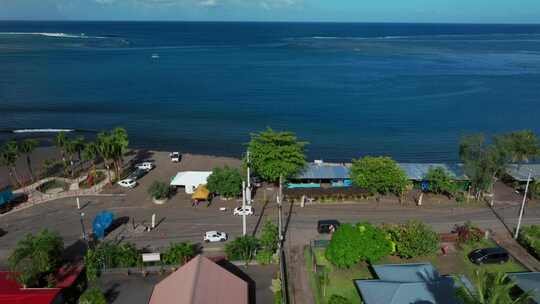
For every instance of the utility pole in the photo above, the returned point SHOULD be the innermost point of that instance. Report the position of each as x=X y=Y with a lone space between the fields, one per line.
x=244 y=208
x=248 y=190
x=522 y=206
x=280 y=243
x=280 y=220
x=82 y=226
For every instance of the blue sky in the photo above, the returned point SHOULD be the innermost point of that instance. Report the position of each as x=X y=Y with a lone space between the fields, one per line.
x=474 y=11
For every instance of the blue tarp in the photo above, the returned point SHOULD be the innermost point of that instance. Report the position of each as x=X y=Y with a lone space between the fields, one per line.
x=5 y=196
x=102 y=221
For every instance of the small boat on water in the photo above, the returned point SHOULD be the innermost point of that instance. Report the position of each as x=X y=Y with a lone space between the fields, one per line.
x=155 y=56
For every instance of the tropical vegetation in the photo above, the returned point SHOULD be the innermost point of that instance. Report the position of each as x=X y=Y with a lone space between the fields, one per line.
x=379 y=175
x=93 y=295
x=530 y=238
x=178 y=253
x=242 y=248
x=110 y=255
x=274 y=154
x=226 y=182
x=268 y=242
x=351 y=244
x=26 y=147
x=440 y=181
x=9 y=153
x=413 y=239
x=36 y=258
x=159 y=190
x=492 y=288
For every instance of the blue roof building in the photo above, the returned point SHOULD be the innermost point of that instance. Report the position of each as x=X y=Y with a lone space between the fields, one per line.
x=528 y=282
x=408 y=284
x=323 y=171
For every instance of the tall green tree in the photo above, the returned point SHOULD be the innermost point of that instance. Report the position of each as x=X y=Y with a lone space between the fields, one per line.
x=226 y=182
x=242 y=248
x=491 y=288
x=379 y=175
x=36 y=256
x=91 y=153
x=274 y=154
x=111 y=147
x=523 y=146
x=9 y=154
x=120 y=146
x=26 y=148
x=482 y=162
x=61 y=142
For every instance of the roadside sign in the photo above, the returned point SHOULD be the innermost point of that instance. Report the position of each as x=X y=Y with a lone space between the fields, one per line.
x=151 y=257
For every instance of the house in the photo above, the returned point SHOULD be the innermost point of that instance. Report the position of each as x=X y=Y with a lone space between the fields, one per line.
x=406 y=284
x=190 y=180
x=528 y=282
x=200 y=281
x=520 y=173
x=315 y=174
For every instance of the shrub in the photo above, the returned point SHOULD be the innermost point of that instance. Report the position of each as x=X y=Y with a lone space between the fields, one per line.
x=361 y=242
x=379 y=175
x=269 y=237
x=93 y=296
x=468 y=233
x=226 y=182
x=242 y=248
x=413 y=239
x=440 y=181
x=530 y=238
x=264 y=257
x=337 y=299
x=110 y=255
x=159 y=190
x=37 y=256
x=178 y=253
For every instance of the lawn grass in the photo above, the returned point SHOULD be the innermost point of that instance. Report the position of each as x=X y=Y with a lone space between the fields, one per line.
x=341 y=281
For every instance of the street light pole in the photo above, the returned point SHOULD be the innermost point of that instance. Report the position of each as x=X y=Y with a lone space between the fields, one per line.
x=82 y=226
x=244 y=208
x=522 y=206
x=248 y=190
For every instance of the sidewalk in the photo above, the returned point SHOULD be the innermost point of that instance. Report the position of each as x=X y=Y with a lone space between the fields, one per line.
x=505 y=240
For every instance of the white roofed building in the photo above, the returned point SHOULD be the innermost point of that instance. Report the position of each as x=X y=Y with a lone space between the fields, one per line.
x=190 y=180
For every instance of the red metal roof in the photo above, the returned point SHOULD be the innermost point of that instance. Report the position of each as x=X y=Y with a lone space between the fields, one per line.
x=11 y=292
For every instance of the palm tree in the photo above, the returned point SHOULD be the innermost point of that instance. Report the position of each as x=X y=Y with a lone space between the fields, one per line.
x=79 y=145
x=523 y=146
x=105 y=149
x=61 y=140
x=8 y=158
x=491 y=288
x=120 y=143
x=26 y=148
x=90 y=153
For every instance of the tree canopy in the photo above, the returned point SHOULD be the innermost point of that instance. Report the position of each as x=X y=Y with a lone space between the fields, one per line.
x=440 y=181
x=492 y=288
x=226 y=182
x=351 y=244
x=36 y=256
x=274 y=154
x=379 y=175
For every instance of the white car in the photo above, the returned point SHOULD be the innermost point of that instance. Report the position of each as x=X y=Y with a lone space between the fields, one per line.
x=175 y=156
x=127 y=183
x=147 y=166
x=215 y=236
x=247 y=210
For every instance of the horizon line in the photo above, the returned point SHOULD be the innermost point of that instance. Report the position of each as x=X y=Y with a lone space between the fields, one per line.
x=262 y=21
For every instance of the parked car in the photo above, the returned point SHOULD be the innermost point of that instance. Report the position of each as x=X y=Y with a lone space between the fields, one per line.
x=327 y=226
x=215 y=236
x=247 y=210
x=127 y=183
x=147 y=166
x=137 y=174
x=489 y=255
x=2 y=232
x=175 y=156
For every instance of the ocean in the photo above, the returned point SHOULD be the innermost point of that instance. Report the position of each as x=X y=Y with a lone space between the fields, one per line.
x=409 y=91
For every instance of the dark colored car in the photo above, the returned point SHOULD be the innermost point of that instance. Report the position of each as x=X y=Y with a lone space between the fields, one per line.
x=493 y=255
x=327 y=226
x=137 y=174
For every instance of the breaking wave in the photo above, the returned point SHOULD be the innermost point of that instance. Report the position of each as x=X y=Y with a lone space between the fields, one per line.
x=54 y=35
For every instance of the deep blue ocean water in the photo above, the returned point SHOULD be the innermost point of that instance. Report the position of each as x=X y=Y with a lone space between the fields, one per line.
x=405 y=90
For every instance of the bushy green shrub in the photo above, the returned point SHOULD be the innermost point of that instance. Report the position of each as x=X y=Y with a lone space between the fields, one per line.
x=93 y=296
x=379 y=175
x=226 y=182
x=530 y=238
x=178 y=253
x=110 y=255
x=37 y=256
x=159 y=190
x=264 y=257
x=269 y=237
x=242 y=248
x=413 y=239
x=337 y=299
x=351 y=244
x=440 y=181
